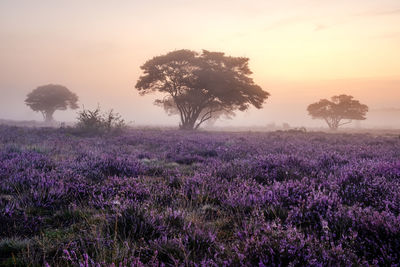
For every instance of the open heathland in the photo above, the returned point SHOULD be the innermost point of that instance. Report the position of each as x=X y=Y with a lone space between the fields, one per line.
x=179 y=198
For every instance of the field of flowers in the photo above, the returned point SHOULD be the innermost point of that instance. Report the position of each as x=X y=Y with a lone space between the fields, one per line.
x=173 y=198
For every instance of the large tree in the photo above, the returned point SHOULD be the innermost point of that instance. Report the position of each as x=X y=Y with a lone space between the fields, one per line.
x=339 y=108
x=200 y=86
x=49 y=98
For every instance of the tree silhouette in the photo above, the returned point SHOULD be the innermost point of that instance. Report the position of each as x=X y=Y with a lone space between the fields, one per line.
x=200 y=87
x=49 y=98
x=341 y=107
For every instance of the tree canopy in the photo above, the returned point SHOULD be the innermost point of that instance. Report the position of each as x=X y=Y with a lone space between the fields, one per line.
x=339 y=108
x=49 y=98
x=201 y=86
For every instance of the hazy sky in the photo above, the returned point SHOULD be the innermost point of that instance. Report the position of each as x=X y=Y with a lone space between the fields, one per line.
x=300 y=51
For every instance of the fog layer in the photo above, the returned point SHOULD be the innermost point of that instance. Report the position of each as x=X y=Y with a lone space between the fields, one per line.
x=300 y=51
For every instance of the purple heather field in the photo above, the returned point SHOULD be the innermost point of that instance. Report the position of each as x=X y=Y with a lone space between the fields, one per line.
x=177 y=198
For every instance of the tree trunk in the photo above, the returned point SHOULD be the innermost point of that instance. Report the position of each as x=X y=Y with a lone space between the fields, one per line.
x=188 y=121
x=188 y=125
x=333 y=123
x=48 y=116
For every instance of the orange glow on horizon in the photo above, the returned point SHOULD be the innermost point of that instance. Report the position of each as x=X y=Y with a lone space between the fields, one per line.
x=302 y=49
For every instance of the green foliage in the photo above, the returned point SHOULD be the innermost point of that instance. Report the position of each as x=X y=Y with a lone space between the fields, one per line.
x=96 y=122
x=201 y=87
x=11 y=250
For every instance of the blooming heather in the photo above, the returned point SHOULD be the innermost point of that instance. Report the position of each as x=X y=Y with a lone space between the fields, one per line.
x=172 y=198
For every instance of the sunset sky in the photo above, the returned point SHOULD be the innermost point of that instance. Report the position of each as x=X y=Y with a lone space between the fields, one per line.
x=300 y=51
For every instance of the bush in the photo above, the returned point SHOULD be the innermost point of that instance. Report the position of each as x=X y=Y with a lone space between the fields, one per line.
x=93 y=121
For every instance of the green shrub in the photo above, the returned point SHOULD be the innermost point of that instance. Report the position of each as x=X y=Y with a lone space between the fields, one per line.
x=96 y=122
x=11 y=250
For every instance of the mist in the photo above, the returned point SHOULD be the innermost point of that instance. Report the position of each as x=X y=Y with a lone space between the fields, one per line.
x=199 y=133
x=299 y=55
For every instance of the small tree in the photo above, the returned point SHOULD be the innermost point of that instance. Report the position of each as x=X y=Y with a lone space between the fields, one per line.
x=49 y=98
x=200 y=87
x=339 y=108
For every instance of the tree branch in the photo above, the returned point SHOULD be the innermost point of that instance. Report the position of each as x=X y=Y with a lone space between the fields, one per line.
x=206 y=116
x=347 y=122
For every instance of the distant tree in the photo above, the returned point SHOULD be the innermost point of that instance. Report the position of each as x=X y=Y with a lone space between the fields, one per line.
x=339 y=108
x=200 y=87
x=49 y=98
